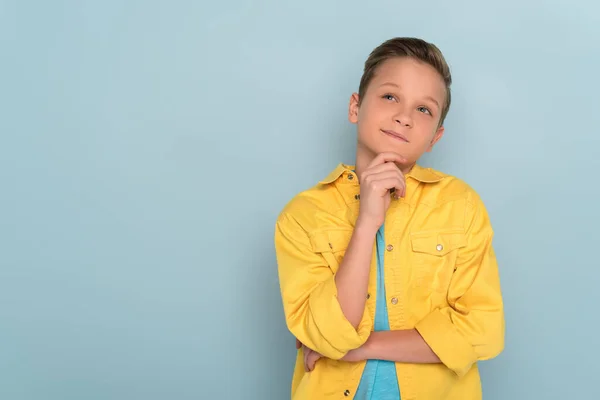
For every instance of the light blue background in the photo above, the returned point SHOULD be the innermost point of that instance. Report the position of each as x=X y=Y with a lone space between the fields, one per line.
x=147 y=147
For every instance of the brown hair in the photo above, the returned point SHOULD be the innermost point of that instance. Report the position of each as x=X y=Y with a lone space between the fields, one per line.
x=415 y=48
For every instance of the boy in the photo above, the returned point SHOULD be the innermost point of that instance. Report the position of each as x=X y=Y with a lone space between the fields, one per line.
x=387 y=271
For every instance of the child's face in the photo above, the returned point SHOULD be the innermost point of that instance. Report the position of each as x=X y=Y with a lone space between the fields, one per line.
x=401 y=109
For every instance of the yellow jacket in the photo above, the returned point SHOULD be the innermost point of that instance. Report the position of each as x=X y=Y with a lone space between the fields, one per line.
x=441 y=278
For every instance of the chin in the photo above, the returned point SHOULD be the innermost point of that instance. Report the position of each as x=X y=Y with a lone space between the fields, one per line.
x=402 y=150
x=383 y=146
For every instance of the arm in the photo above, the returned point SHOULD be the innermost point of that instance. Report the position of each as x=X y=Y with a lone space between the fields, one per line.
x=326 y=311
x=471 y=328
x=405 y=346
x=310 y=294
x=352 y=278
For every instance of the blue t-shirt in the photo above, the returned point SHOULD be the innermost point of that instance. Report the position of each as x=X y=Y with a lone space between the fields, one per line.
x=379 y=380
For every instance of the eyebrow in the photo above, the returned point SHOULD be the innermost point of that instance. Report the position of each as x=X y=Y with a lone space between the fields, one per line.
x=426 y=97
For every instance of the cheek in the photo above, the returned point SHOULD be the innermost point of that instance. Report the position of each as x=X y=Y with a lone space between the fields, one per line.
x=363 y=110
x=425 y=137
x=427 y=126
x=365 y=117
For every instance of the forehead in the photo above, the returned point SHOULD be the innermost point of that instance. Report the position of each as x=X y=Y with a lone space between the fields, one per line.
x=411 y=76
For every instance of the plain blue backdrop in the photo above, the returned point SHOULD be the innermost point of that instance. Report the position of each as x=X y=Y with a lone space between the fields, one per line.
x=146 y=148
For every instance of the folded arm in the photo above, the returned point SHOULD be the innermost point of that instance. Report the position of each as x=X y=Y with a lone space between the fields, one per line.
x=470 y=328
x=325 y=311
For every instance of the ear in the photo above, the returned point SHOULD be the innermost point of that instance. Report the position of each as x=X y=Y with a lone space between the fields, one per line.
x=353 y=108
x=438 y=135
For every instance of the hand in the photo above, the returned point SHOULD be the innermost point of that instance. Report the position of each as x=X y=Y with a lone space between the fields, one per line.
x=355 y=355
x=376 y=182
x=310 y=356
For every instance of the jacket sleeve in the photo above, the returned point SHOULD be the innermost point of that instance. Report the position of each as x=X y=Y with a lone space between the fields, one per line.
x=310 y=303
x=471 y=328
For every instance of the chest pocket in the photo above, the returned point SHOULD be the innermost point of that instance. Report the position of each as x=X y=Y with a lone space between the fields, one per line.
x=433 y=257
x=332 y=245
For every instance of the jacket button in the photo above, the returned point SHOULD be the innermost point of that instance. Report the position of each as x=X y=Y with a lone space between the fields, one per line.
x=347 y=393
x=394 y=300
x=390 y=247
x=439 y=247
x=368 y=296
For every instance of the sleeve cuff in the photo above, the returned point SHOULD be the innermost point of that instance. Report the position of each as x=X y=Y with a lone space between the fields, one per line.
x=339 y=334
x=446 y=342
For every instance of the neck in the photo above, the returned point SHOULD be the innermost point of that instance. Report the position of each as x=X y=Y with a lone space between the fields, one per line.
x=364 y=157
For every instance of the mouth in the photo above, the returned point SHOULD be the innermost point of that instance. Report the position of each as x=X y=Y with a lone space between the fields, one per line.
x=395 y=135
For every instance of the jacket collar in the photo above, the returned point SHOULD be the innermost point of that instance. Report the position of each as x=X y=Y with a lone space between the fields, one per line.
x=424 y=175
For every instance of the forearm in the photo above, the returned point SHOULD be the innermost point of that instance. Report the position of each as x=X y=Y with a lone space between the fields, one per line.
x=405 y=346
x=352 y=278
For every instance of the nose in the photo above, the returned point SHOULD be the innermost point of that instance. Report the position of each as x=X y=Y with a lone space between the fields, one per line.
x=403 y=118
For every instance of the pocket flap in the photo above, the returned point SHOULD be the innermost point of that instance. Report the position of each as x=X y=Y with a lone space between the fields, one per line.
x=331 y=240
x=437 y=243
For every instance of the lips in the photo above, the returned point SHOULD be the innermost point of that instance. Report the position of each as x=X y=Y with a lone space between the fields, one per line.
x=395 y=135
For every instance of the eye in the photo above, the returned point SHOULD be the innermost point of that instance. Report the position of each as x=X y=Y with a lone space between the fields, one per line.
x=424 y=110
x=389 y=97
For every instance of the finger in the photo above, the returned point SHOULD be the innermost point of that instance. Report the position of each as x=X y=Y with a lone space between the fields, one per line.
x=386 y=166
x=386 y=181
x=307 y=352
x=312 y=361
x=311 y=364
x=399 y=192
x=394 y=173
x=305 y=365
x=393 y=186
x=387 y=157
x=380 y=171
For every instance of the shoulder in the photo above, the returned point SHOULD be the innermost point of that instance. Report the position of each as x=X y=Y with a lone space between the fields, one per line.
x=318 y=205
x=447 y=202
x=449 y=188
x=305 y=207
